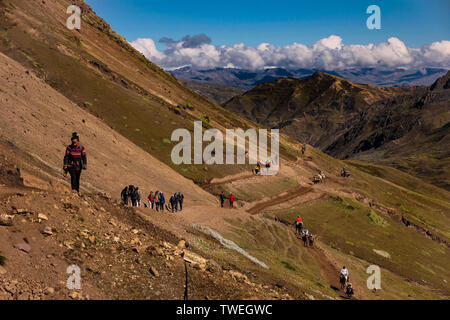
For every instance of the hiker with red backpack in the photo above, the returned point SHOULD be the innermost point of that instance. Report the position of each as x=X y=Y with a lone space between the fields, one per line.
x=156 y=200
x=232 y=198
x=75 y=161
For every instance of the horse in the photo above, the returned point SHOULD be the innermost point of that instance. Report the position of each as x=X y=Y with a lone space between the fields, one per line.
x=343 y=281
x=319 y=178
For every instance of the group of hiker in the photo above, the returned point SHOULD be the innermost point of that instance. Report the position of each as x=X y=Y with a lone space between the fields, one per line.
x=131 y=195
x=306 y=236
x=157 y=201
x=231 y=198
x=256 y=170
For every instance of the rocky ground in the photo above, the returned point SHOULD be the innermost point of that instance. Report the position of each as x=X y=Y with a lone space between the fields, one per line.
x=120 y=254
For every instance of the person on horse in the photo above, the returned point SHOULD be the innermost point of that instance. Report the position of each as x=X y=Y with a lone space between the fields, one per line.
x=345 y=173
x=298 y=225
x=345 y=276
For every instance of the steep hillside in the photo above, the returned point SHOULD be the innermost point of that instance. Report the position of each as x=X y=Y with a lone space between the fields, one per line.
x=99 y=71
x=54 y=82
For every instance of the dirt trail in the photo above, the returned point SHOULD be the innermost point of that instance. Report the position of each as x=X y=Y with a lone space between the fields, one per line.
x=228 y=179
x=285 y=196
x=328 y=270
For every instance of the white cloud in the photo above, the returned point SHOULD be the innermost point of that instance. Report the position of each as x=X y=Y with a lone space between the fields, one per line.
x=328 y=53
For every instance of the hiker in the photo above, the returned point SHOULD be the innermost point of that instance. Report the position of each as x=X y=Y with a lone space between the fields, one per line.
x=156 y=200
x=303 y=148
x=305 y=236
x=75 y=161
x=222 y=199
x=298 y=225
x=257 y=168
x=349 y=290
x=310 y=240
x=138 y=196
x=124 y=195
x=172 y=202
x=180 y=199
x=162 y=201
x=175 y=201
x=151 y=200
x=232 y=198
x=130 y=194
x=133 y=195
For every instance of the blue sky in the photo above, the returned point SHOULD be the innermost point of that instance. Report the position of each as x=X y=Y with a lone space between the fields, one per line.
x=281 y=22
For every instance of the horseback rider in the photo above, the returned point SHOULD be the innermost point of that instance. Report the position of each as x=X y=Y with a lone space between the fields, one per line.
x=298 y=225
x=345 y=274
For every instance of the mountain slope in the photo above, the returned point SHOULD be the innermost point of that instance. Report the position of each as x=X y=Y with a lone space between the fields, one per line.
x=98 y=70
x=54 y=82
x=396 y=126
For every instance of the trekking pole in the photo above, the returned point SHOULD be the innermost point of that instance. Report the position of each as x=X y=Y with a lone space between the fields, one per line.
x=186 y=282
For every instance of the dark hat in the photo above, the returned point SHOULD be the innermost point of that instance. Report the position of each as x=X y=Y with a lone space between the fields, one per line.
x=75 y=136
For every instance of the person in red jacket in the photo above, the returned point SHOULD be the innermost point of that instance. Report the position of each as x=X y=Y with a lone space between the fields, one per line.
x=298 y=225
x=232 y=199
x=75 y=161
x=151 y=200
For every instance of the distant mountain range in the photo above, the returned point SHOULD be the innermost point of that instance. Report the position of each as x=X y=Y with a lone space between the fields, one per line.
x=247 y=79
